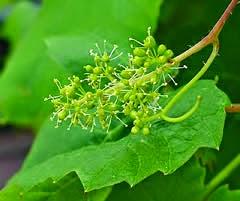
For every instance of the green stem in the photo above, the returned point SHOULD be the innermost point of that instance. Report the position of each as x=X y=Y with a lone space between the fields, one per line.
x=184 y=116
x=183 y=90
x=211 y=37
x=221 y=176
x=115 y=133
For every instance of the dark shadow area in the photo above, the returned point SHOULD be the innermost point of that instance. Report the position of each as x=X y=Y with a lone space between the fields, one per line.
x=14 y=145
x=4 y=51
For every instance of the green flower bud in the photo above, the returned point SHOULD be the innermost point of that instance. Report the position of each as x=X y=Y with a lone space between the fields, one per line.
x=67 y=106
x=93 y=77
x=140 y=113
x=149 y=42
x=169 y=54
x=112 y=107
x=132 y=97
x=137 y=122
x=146 y=131
x=88 y=68
x=77 y=109
x=154 y=78
x=162 y=59
x=101 y=112
x=89 y=95
x=105 y=57
x=139 y=83
x=63 y=91
x=133 y=114
x=140 y=71
x=127 y=74
x=110 y=69
x=56 y=102
x=154 y=95
x=140 y=95
x=90 y=105
x=67 y=91
x=62 y=115
x=76 y=80
x=70 y=91
x=137 y=61
x=127 y=110
x=97 y=70
x=126 y=96
x=147 y=64
x=139 y=52
x=97 y=59
x=99 y=93
x=134 y=130
x=161 y=49
x=125 y=82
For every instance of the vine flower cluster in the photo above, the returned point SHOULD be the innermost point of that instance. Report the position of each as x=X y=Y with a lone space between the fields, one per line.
x=123 y=91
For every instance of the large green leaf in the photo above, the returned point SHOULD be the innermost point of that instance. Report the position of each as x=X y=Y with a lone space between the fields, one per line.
x=224 y=194
x=185 y=184
x=51 y=142
x=196 y=20
x=134 y=158
x=68 y=188
x=28 y=76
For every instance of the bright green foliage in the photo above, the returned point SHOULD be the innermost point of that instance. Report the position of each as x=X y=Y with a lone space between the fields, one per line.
x=185 y=184
x=68 y=188
x=225 y=194
x=18 y=23
x=133 y=158
x=27 y=77
x=225 y=66
x=46 y=146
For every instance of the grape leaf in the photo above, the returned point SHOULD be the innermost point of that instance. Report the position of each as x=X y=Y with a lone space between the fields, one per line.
x=51 y=142
x=191 y=24
x=28 y=76
x=134 y=158
x=68 y=188
x=187 y=183
x=224 y=194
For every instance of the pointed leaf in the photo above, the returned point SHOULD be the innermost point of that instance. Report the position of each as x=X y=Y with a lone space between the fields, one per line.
x=134 y=158
x=187 y=183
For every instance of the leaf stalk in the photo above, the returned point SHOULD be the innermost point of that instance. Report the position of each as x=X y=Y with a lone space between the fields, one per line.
x=222 y=175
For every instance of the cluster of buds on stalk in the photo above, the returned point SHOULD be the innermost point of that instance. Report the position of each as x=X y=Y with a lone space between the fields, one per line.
x=125 y=91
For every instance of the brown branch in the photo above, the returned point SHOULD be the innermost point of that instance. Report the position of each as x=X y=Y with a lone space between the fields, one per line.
x=234 y=108
x=211 y=37
x=220 y=24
